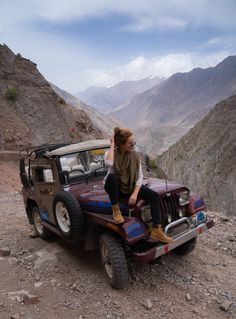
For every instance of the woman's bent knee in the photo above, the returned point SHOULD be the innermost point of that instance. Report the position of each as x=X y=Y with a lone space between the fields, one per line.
x=111 y=180
x=149 y=193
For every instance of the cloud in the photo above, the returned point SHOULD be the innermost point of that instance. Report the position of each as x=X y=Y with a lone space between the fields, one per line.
x=143 y=15
x=215 y=41
x=147 y=14
x=228 y=42
x=185 y=62
x=152 y=23
x=160 y=66
x=72 y=65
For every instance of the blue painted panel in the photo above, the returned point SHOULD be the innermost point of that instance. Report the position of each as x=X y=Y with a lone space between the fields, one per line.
x=199 y=203
x=134 y=230
x=44 y=215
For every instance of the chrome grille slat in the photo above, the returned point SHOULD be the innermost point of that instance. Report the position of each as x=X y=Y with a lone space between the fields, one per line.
x=173 y=206
x=168 y=207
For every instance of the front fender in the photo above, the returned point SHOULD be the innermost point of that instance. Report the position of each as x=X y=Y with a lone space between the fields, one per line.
x=196 y=203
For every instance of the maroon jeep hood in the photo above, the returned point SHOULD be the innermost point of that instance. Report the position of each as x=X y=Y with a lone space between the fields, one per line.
x=92 y=195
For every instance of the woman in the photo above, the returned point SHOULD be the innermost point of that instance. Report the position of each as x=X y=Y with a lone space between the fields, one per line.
x=125 y=178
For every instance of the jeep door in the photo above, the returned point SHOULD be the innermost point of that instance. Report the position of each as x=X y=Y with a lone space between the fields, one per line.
x=46 y=185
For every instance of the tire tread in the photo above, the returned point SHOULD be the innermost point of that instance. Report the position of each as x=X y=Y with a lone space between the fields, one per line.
x=119 y=263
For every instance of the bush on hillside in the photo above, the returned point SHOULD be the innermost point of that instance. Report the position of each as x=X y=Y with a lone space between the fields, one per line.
x=11 y=94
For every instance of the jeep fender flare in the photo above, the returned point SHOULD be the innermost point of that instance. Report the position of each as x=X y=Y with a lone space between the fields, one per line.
x=67 y=208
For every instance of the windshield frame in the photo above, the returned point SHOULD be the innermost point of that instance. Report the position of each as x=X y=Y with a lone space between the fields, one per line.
x=84 y=161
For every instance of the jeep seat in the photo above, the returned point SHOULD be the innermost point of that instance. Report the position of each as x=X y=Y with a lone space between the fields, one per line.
x=78 y=167
x=93 y=166
x=65 y=164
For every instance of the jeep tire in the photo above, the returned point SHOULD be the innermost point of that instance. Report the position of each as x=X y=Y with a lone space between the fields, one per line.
x=114 y=261
x=187 y=247
x=41 y=231
x=68 y=216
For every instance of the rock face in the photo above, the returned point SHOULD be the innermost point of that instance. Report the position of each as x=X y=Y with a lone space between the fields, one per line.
x=103 y=121
x=204 y=159
x=167 y=111
x=36 y=114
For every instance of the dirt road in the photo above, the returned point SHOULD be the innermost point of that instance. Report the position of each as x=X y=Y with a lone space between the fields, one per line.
x=69 y=283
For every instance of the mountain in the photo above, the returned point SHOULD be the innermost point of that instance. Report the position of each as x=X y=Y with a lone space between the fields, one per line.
x=108 y=99
x=204 y=159
x=104 y=122
x=179 y=102
x=31 y=112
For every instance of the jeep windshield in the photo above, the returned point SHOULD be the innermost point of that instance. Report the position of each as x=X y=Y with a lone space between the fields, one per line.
x=84 y=164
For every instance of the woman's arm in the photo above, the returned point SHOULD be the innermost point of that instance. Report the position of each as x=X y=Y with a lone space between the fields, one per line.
x=109 y=156
x=136 y=191
x=140 y=176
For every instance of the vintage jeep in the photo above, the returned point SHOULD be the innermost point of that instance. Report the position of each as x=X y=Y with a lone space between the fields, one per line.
x=63 y=194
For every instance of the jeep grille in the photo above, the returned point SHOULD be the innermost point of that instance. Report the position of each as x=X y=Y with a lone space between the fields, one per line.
x=168 y=207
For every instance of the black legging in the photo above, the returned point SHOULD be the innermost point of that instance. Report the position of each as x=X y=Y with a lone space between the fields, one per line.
x=112 y=188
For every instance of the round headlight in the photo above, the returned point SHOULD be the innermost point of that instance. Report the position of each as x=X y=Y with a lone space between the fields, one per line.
x=184 y=198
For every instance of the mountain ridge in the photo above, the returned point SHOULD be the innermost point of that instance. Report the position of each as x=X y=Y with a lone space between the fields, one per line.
x=107 y=99
x=178 y=103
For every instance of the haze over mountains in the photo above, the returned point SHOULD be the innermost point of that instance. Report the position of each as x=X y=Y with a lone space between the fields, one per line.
x=204 y=159
x=167 y=111
x=108 y=99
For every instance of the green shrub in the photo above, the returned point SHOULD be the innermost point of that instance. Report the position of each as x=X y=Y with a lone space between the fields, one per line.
x=11 y=94
x=153 y=163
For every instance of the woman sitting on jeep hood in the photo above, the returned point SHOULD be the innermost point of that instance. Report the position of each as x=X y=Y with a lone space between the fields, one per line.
x=125 y=178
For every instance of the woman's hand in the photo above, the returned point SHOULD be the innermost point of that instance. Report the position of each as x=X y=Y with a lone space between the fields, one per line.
x=132 y=199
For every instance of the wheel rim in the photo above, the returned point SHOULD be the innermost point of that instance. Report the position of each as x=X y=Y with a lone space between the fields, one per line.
x=38 y=222
x=106 y=260
x=63 y=217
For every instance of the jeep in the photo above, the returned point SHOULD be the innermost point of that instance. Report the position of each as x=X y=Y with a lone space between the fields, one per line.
x=63 y=192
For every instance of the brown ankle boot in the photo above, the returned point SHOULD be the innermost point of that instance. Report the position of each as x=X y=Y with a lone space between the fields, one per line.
x=117 y=216
x=157 y=233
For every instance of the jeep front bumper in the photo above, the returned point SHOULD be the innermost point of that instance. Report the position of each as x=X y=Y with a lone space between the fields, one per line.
x=159 y=250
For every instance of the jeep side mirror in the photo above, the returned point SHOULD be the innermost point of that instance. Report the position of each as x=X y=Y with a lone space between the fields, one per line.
x=23 y=175
x=64 y=177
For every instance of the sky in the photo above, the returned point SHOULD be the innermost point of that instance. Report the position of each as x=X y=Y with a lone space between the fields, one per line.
x=82 y=43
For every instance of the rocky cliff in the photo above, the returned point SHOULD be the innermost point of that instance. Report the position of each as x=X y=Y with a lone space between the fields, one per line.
x=103 y=121
x=204 y=158
x=31 y=112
